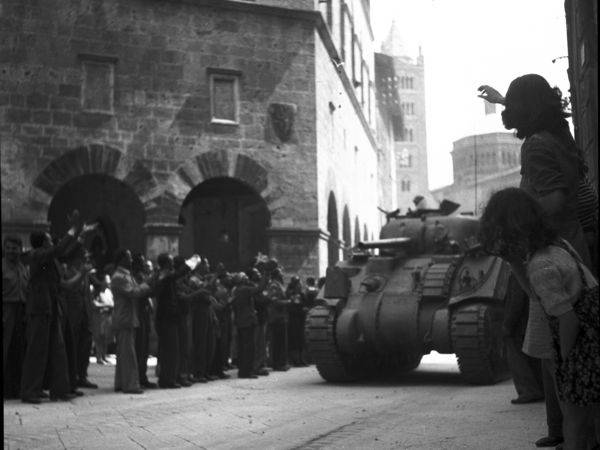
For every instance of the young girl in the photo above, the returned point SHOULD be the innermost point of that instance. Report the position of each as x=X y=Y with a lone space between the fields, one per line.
x=564 y=294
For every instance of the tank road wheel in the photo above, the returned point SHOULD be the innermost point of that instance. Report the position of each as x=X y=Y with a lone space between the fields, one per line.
x=320 y=336
x=408 y=363
x=477 y=340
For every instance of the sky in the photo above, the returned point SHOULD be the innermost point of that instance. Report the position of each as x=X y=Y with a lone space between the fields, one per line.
x=467 y=43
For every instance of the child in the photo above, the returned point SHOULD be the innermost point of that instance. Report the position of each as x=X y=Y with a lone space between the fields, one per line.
x=564 y=294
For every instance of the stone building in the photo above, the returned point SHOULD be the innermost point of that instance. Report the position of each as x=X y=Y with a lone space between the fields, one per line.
x=411 y=143
x=223 y=128
x=482 y=164
x=582 y=37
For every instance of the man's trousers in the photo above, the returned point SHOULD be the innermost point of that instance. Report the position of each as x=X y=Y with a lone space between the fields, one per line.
x=245 y=351
x=126 y=372
x=168 y=352
x=13 y=346
x=45 y=348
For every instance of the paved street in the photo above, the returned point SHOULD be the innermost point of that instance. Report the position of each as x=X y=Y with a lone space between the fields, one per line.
x=428 y=409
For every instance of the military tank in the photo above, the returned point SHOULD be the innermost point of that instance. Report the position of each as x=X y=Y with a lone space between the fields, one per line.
x=430 y=287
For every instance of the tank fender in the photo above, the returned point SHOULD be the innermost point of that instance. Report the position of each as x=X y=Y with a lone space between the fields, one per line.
x=480 y=277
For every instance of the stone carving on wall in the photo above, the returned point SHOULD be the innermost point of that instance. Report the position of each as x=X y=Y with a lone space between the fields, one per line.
x=281 y=122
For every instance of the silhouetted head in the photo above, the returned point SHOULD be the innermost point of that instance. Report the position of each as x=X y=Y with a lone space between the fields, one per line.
x=178 y=262
x=123 y=258
x=138 y=262
x=39 y=239
x=165 y=261
x=531 y=106
x=12 y=248
x=514 y=226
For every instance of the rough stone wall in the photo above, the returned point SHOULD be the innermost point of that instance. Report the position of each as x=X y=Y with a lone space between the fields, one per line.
x=160 y=127
x=582 y=36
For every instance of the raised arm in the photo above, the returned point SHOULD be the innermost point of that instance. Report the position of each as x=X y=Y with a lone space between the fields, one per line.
x=490 y=94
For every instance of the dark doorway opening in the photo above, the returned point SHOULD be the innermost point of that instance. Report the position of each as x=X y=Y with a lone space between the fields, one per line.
x=108 y=201
x=224 y=220
x=333 y=245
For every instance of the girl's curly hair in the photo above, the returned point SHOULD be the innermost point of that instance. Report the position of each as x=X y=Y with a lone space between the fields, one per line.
x=533 y=106
x=513 y=225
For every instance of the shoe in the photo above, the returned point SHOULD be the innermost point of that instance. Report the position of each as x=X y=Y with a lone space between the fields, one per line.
x=262 y=372
x=526 y=399
x=62 y=398
x=77 y=393
x=247 y=376
x=549 y=441
x=134 y=391
x=282 y=368
x=32 y=400
x=85 y=383
x=149 y=385
x=169 y=386
x=43 y=395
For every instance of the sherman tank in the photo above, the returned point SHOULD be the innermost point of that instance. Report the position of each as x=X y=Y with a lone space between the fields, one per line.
x=424 y=285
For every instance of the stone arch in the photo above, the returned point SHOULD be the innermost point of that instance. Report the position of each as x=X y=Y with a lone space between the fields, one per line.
x=333 y=245
x=104 y=199
x=87 y=159
x=221 y=163
x=356 y=230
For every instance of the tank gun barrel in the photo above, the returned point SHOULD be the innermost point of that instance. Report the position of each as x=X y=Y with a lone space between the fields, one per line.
x=385 y=243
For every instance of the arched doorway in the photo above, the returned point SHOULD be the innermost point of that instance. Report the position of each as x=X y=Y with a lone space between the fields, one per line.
x=333 y=247
x=226 y=221
x=356 y=231
x=108 y=201
x=346 y=232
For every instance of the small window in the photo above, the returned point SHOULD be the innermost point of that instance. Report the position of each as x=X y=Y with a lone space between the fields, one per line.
x=98 y=83
x=405 y=159
x=405 y=186
x=224 y=96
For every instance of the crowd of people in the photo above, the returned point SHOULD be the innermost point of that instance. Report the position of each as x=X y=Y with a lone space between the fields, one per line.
x=59 y=308
x=207 y=320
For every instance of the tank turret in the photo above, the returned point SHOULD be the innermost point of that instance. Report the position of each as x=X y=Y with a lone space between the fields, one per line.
x=424 y=285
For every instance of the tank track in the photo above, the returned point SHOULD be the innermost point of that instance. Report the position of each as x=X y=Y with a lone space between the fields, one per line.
x=477 y=343
x=320 y=336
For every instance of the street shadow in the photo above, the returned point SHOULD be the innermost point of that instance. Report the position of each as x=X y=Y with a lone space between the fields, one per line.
x=432 y=375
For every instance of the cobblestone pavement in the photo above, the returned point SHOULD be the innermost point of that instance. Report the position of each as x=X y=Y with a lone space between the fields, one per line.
x=428 y=409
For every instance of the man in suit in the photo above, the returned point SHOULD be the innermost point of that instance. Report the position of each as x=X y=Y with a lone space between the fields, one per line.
x=15 y=278
x=245 y=319
x=278 y=321
x=127 y=292
x=77 y=302
x=45 y=341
